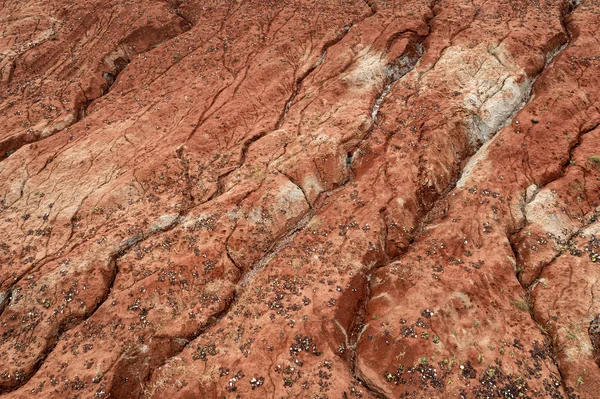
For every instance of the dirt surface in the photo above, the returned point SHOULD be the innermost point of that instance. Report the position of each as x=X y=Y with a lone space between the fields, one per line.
x=300 y=199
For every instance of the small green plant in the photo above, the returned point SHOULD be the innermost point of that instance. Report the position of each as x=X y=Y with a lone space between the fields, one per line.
x=594 y=159
x=521 y=304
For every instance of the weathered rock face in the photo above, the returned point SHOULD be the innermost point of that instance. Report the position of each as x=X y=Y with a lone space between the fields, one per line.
x=312 y=199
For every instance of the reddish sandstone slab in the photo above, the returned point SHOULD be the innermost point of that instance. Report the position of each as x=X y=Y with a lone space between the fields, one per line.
x=299 y=199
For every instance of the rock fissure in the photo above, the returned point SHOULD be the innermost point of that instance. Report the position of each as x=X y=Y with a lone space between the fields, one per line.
x=115 y=62
x=306 y=199
x=68 y=324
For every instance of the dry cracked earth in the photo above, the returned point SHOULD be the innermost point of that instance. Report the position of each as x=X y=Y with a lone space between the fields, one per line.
x=300 y=199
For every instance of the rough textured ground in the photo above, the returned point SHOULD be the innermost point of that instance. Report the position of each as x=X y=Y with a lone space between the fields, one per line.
x=300 y=199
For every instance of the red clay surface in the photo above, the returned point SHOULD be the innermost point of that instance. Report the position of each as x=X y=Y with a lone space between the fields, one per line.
x=300 y=199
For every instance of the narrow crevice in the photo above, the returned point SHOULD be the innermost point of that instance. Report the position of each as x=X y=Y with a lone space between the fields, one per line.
x=527 y=288
x=379 y=100
x=63 y=327
x=275 y=248
x=120 y=64
x=398 y=68
x=372 y=4
x=212 y=321
x=241 y=162
x=299 y=81
x=298 y=86
x=562 y=242
x=594 y=334
x=10 y=145
x=188 y=198
x=227 y=252
x=550 y=57
x=569 y=161
x=526 y=293
x=394 y=72
x=483 y=137
x=358 y=322
x=233 y=262
x=6 y=298
x=124 y=247
x=358 y=325
x=175 y=9
x=246 y=276
x=371 y=388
